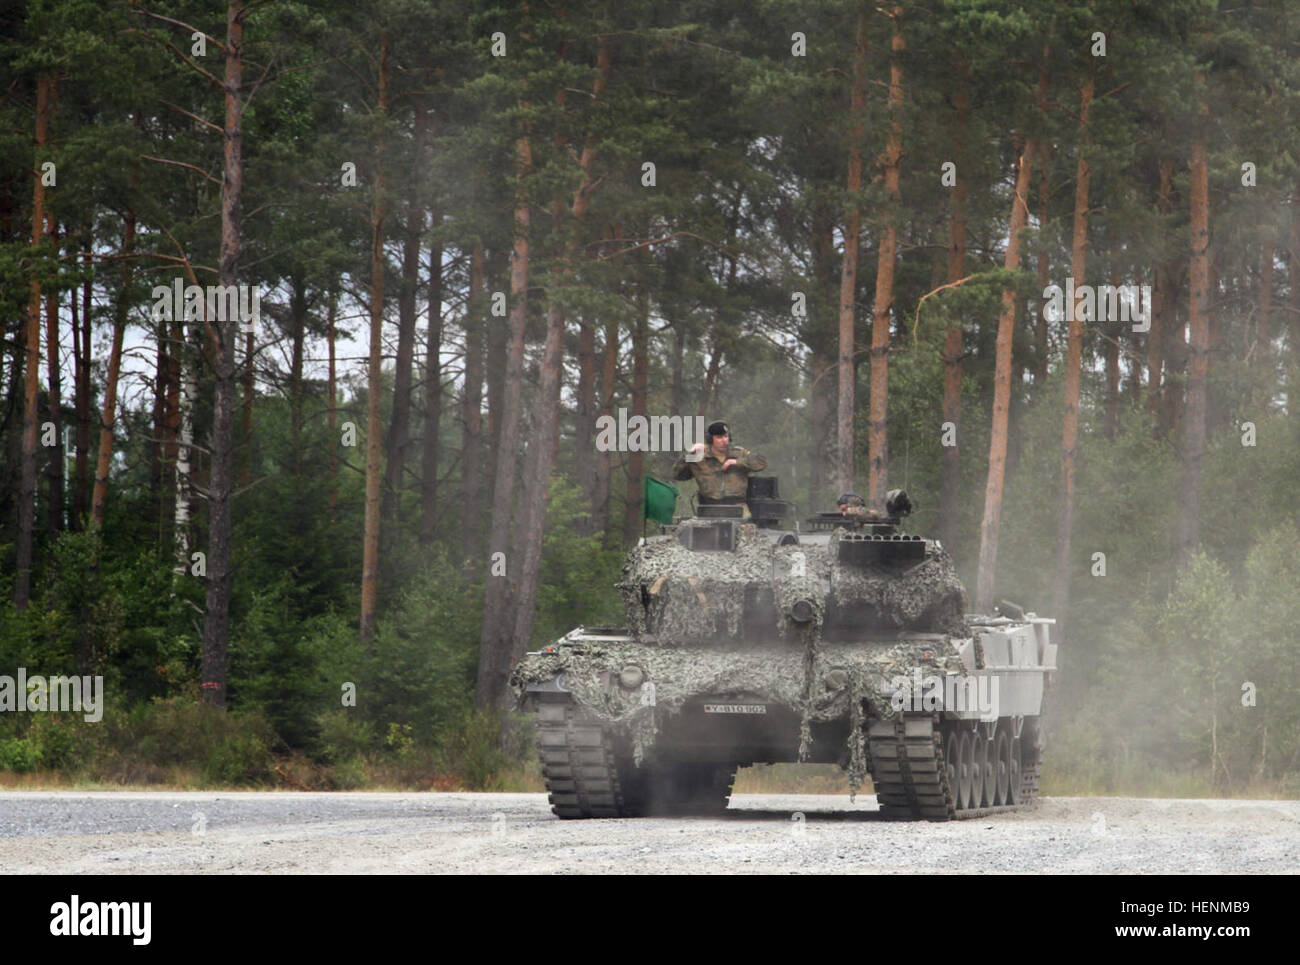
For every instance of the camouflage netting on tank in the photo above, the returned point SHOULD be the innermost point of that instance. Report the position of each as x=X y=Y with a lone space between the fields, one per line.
x=929 y=588
x=829 y=685
x=684 y=595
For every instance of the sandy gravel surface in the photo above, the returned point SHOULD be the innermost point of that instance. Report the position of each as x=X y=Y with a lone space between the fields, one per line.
x=228 y=833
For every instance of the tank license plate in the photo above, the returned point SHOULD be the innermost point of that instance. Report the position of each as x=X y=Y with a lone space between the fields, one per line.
x=735 y=708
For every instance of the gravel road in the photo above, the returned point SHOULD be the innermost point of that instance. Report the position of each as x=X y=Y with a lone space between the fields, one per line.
x=241 y=833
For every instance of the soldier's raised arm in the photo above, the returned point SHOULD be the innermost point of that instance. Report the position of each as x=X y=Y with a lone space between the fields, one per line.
x=753 y=461
x=681 y=470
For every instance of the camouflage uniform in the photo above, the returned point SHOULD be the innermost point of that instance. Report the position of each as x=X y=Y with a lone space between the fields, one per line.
x=713 y=482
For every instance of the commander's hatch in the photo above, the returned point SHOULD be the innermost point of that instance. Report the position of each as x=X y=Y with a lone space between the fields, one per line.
x=710 y=534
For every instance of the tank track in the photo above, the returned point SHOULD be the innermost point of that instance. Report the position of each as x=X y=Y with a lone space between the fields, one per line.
x=912 y=778
x=589 y=777
x=578 y=764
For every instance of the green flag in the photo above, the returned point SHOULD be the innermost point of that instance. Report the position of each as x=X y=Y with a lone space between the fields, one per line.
x=660 y=500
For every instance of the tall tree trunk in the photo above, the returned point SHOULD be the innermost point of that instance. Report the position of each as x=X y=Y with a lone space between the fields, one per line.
x=57 y=463
x=1110 y=354
x=1002 y=389
x=471 y=449
x=1264 y=327
x=431 y=444
x=185 y=334
x=174 y=348
x=158 y=445
x=878 y=404
x=586 y=414
x=1293 y=292
x=604 y=460
x=399 y=427
x=498 y=337
x=535 y=491
x=375 y=381
x=121 y=309
x=1163 y=306
x=950 y=489
x=821 y=340
x=1189 y=496
x=1161 y=302
x=1216 y=406
x=1155 y=340
x=585 y=418
x=1073 y=360
x=31 y=385
x=331 y=388
x=496 y=643
x=711 y=373
x=15 y=396
x=221 y=496
x=1041 y=349
x=1043 y=161
x=250 y=386
x=536 y=484
x=844 y=451
x=633 y=511
x=81 y=335
x=298 y=330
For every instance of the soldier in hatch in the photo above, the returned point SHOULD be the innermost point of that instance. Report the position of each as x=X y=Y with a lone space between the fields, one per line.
x=722 y=474
x=852 y=505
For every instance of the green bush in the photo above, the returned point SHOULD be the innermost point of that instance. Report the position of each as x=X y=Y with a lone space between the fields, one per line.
x=241 y=758
x=472 y=750
x=19 y=755
x=344 y=735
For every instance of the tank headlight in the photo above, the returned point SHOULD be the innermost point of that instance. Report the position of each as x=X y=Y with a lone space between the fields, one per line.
x=631 y=677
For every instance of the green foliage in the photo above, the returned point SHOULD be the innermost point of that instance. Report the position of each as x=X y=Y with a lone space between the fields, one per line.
x=238 y=759
x=19 y=754
x=578 y=573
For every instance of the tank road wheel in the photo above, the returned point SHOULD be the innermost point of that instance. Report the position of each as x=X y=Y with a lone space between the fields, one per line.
x=965 y=773
x=1013 y=777
x=952 y=764
x=979 y=768
x=1001 y=767
x=990 y=769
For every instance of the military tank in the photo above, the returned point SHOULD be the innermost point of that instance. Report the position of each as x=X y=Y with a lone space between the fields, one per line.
x=842 y=640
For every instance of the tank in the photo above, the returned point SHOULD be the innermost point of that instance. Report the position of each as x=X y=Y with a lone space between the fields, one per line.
x=841 y=640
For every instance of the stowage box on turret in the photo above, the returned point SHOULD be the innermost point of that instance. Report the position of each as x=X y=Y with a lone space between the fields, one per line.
x=745 y=643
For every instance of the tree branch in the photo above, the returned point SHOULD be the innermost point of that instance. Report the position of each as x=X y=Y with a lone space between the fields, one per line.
x=177 y=51
x=182 y=164
x=202 y=120
x=916 y=317
x=178 y=23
